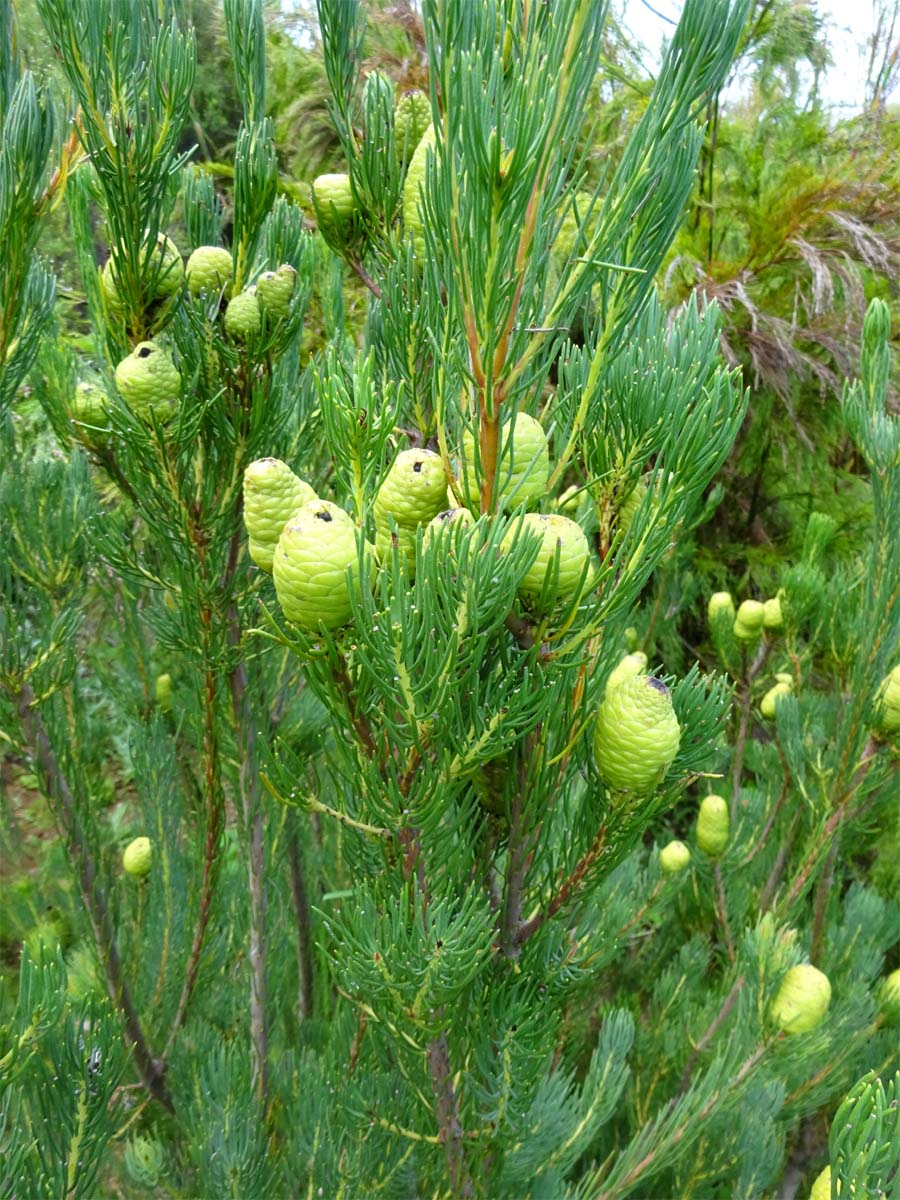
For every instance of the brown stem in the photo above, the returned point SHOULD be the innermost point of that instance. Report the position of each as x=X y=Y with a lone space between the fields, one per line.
x=364 y=275
x=304 y=927
x=722 y=913
x=823 y=887
x=213 y=814
x=360 y=724
x=711 y=1030
x=781 y=859
x=841 y=811
x=256 y=865
x=638 y=916
x=566 y=890
x=517 y=857
x=489 y=449
x=665 y=1144
x=150 y=1069
x=446 y=1102
x=767 y=829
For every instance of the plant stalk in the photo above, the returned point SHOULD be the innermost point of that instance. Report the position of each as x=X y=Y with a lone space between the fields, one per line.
x=150 y=1068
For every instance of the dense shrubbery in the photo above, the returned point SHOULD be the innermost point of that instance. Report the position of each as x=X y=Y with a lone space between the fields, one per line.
x=447 y=753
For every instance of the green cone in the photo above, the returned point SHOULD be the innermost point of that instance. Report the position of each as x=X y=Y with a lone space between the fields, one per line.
x=637 y=735
x=316 y=566
x=272 y=495
x=149 y=382
x=209 y=269
x=559 y=536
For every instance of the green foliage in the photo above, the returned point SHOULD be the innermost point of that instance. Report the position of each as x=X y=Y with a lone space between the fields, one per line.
x=398 y=934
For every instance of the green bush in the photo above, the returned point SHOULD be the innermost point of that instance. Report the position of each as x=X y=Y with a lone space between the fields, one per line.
x=409 y=918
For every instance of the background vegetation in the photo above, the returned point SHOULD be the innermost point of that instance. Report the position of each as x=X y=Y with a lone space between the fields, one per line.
x=229 y=1049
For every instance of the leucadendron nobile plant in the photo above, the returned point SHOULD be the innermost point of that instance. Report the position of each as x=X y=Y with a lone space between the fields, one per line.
x=380 y=907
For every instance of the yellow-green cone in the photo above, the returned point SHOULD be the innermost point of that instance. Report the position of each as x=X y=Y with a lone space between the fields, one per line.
x=90 y=407
x=162 y=275
x=821 y=1188
x=412 y=116
x=414 y=490
x=145 y=1161
x=149 y=382
x=336 y=211
x=889 y=997
x=674 y=857
x=629 y=666
x=713 y=826
x=272 y=495
x=524 y=464
x=636 y=736
x=413 y=222
x=138 y=857
x=406 y=544
x=164 y=692
x=316 y=566
x=802 y=1000
x=772 y=615
x=887 y=703
x=720 y=603
x=772 y=696
x=209 y=269
x=444 y=520
x=243 y=319
x=274 y=290
x=564 y=549
x=748 y=622
x=630 y=504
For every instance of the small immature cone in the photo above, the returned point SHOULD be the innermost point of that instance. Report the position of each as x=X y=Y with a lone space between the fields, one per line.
x=720 y=602
x=163 y=275
x=772 y=616
x=567 y=501
x=138 y=857
x=889 y=997
x=630 y=503
x=413 y=222
x=629 y=666
x=209 y=269
x=412 y=116
x=243 y=318
x=887 y=703
x=771 y=698
x=164 y=692
x=674 y=857
x=749 y=620
x=802 y=1000
x=524 y=464
x=562 y=542
x=821 y=1189
x=450 y=517
x=149 y=382
x=336 y=211
x=636 y=736
x=713 y=826
x=90 y=405
x=145 y=1161
x=272 y=495
x=316 y=567
x=274 y=290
